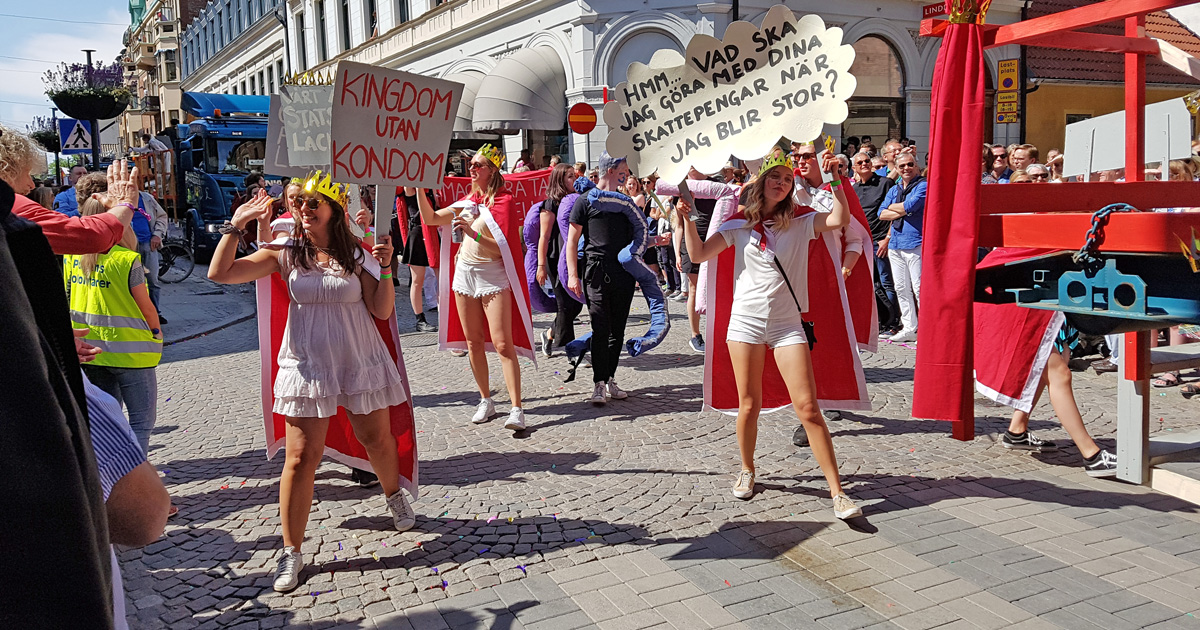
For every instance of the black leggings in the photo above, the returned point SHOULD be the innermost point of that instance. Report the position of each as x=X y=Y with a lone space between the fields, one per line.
x=567 y=310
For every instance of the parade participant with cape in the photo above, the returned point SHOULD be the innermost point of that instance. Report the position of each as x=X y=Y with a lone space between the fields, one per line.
x=1019 y=353
x=760 y=292
x=484 y=295
x=334 y=383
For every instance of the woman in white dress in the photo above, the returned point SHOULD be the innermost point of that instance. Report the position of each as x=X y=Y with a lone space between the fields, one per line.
x=331 y=355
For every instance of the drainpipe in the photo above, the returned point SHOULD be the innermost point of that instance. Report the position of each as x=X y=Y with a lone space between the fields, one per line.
x=1023 y=70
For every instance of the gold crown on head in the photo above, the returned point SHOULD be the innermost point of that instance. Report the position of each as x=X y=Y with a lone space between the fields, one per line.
x=494 y=154
x=773 y=159
x=325 y=185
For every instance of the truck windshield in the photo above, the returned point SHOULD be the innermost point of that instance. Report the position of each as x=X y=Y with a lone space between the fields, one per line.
x=234 y=156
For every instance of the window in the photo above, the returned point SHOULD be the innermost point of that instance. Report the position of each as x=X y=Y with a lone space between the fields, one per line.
x=270 y=79
x=171 y=72
x=231 y=32
x=401 y=11
x=278 y=73
x=241 y=16
x=220 y=25
x=371 y=19
x=345 y=24
x=243 y=87
x=322 y=48
x=168 y=28
x=253 y=89
x=877 y=108
x=302 y=59
x=262 y=85
x=1074 y=118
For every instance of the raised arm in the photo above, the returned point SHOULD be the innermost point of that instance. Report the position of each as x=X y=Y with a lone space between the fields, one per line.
x=698 y=250
x=429 y=215
x=224 y=269
x=840 y=216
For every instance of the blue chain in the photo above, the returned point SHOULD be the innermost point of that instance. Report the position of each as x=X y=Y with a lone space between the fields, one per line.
x=1088 y=256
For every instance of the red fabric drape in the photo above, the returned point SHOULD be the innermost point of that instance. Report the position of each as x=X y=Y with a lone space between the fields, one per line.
x=944 y=377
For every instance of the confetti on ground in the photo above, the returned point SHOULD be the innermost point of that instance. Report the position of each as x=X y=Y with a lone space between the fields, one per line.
x=225 y=487
x=339 y=546
x=485 y=550
x=510 y=519
x=376 y=556
x=384 y=544
x=444 y=584
x=169 y=399
x=727 y=583
x=435 y=570
x=522 y=568
x=315 y=593
x=492 y=518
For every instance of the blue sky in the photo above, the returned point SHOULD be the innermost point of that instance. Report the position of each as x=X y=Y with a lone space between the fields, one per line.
x=21 y=91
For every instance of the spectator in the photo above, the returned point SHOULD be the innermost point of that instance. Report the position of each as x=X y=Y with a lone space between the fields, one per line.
x=108 y=294
x=43 y=196
x=1054 y=161
x=151 y=145
x=526 y=160
x=891 y=149
x=877 y=162
x=594 y=175
x=871 y=190
x=58 y=515
x=997 y=166
x=172 y=132
x=1020 y=177
x=1038 y=173
x=65 y=201
x=554 y=161
x=67 y=235
x=1022 y=156
x=904 y=206
x=581 y=169
x=852 y=144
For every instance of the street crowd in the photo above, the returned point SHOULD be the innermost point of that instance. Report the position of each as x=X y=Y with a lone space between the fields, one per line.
x=765 y=248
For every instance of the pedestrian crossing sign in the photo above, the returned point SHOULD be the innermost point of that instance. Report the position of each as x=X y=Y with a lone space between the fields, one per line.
x=74 y=136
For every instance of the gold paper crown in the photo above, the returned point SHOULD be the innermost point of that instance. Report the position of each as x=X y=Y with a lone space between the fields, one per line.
x=773 y=159
x=308 y=78
x=968 y=11
x=325 y=185
x=1191 y=251
x=493 y=154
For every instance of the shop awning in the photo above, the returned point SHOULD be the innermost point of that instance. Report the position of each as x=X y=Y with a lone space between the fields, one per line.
x=462 y=122
x=526 y=90
x=203 y=105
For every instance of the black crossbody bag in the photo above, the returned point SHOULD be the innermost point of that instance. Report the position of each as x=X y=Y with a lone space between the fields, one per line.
x=808 y=326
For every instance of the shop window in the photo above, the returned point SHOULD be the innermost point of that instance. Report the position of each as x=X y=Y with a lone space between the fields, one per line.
x=1074 y=118
x=877 y=108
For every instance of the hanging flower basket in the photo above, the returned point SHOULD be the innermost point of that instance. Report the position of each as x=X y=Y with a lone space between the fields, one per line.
x=47 y=139
x=94 y=106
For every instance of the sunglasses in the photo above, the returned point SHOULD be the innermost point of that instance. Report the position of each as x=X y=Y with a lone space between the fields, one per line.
x=806 y=156
x=1039 y=176
x=312 y=202
x=862 y=163
x=476 y=165
x=907 y=165
x=1000 y=156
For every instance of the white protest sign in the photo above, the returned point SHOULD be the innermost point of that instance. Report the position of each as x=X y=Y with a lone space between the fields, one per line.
x=391 y=127
x=275 y=160
x=1098 y=144
x=734 y=96
x=306 y=111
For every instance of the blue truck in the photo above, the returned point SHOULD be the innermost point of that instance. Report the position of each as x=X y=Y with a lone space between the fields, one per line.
x=224 y=141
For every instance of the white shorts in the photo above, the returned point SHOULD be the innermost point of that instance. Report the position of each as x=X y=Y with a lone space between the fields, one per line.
x=775 y=333
x=479 y=280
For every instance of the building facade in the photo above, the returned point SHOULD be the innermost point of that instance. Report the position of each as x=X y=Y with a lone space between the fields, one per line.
x=152 y=66
x=525 y=62
x=235 y=47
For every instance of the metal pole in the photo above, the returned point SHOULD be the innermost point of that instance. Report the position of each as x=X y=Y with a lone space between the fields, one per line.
x=57 y=166
x=95 y=122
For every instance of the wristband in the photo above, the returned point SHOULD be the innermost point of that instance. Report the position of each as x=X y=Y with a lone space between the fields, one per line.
x=127 y=205
x=385 y=276
x=837 y=183
x=477 y=235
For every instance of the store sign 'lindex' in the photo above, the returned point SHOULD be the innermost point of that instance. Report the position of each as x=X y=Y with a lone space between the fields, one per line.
x=391 y=127
x=733 y=96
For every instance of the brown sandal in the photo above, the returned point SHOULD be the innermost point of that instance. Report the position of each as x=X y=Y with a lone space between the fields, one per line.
x=1189 y=390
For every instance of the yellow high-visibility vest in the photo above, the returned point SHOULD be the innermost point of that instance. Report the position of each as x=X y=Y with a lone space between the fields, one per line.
x=104 y=304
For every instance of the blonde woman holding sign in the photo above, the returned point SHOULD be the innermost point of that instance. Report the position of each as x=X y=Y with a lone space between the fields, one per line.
x=771 y=235
x=484 y=285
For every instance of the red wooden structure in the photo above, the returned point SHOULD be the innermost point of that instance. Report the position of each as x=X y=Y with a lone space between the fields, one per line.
x=1058 y=216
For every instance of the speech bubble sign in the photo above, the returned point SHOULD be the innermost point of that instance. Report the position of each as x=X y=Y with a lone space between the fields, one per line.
x=734 y=96
x=391 y=127
x=307 y=111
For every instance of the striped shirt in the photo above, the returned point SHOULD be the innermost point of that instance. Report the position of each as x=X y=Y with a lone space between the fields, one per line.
x=116 y=448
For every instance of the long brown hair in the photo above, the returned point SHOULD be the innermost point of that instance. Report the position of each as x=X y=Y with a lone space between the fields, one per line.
x=557 y=188
x=44 y=196
x=87 y=262
x=343 y=247
x=494 y=186
x=756 y=209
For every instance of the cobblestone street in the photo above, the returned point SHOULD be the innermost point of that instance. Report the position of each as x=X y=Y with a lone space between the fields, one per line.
x=621 y=517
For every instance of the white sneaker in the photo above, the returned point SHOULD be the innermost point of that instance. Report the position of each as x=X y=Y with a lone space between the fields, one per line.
x=614 y=392
x=402 y=513
x=844 y=508
x=287 y=571
x=516 y=420
x=904 y=336
x=484 y=410
x=547 y=344
x=743 y=486
x=600 y=394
